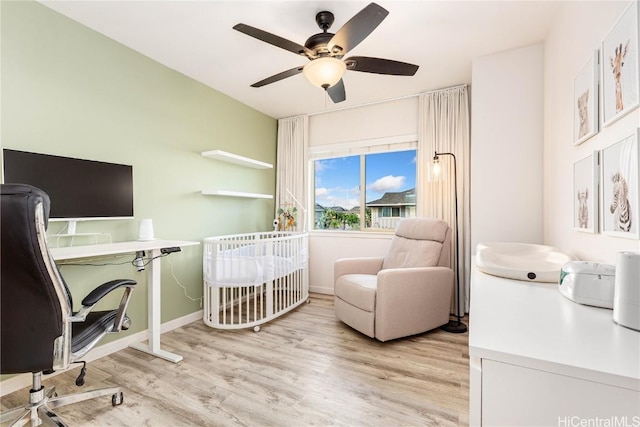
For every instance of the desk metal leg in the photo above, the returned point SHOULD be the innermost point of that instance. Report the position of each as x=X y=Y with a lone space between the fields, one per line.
x=154 y=315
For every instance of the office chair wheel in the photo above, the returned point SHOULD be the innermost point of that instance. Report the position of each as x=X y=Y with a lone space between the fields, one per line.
x=114 y=399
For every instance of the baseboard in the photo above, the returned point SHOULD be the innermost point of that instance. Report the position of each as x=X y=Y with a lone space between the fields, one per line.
x=24 y=380
x=321 y=290
x=179 y=322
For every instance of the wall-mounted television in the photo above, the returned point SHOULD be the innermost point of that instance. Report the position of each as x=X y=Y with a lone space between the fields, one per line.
x=79 y=189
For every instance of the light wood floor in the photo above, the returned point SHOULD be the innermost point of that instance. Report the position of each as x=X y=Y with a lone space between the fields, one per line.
x=305 y=368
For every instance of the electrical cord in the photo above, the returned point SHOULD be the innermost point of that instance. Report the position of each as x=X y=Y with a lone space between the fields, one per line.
x=184 y=289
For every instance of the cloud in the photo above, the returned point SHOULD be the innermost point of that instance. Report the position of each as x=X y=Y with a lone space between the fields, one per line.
x=322 y=165
x=387 y=183
x=322 y=192
x=338 y=196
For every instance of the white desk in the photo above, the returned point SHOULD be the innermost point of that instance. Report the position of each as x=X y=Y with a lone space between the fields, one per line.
x=153 y=281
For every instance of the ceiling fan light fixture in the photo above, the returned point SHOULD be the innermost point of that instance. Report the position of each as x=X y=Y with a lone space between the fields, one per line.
x=324 y=72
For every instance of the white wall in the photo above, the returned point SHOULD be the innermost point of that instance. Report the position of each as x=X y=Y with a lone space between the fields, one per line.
x=579 y=28
x=326 y=247
x=506 y=147
x=374 y=121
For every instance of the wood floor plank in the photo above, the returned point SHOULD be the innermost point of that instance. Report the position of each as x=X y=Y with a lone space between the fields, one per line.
x=303 y=369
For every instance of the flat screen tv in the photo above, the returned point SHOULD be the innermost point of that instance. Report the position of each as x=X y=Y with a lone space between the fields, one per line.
x=79 y=189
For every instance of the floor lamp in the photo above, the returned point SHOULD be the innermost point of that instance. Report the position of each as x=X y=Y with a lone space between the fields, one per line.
x=456 y=327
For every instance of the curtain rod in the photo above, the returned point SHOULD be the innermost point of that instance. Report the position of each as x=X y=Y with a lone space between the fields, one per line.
x=379 y=102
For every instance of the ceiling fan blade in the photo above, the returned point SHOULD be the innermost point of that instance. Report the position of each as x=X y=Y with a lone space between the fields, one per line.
x=357 y=29
x=278 y=77
x=336 y=92
x=380 y=66
x=273 y=39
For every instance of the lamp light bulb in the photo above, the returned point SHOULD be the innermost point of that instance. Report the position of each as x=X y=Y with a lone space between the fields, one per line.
x=436 y=166
x=324 y=72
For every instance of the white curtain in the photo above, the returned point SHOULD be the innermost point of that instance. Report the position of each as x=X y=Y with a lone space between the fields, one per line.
x=291 y=168
x=444 y=127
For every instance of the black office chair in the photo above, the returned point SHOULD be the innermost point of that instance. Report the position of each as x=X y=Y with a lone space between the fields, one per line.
x=39 y=331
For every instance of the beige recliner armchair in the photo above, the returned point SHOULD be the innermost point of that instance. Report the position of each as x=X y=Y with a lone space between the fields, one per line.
x=406 y=292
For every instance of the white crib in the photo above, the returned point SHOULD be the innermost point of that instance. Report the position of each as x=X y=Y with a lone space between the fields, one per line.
x=250 y=279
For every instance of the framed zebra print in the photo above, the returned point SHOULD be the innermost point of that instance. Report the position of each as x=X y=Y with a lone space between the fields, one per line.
x=585 y=194
x=620 y=182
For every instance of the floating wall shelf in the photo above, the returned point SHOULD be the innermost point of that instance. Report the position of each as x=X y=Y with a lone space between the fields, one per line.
x=227 y=193
x=238 y=160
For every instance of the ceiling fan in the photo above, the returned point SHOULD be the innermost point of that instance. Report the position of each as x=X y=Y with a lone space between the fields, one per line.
x=326 y=50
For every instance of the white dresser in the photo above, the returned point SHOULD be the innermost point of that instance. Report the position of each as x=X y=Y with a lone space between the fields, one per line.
x=540 y=359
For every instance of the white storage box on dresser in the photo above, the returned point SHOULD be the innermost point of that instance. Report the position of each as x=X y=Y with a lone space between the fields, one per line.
x=252 y=278
x=538 y=358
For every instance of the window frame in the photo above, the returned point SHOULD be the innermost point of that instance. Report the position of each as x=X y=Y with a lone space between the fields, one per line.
x=361 y=148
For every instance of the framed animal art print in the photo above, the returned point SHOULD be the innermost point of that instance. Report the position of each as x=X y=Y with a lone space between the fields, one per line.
x=620 y=77
x=620 y=181
x=585 y=101
x=585 y=194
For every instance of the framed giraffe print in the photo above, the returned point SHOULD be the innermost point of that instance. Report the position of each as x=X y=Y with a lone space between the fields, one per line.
x=585 y=194
x=620 y=76
x=620 y=181
x=585 y=101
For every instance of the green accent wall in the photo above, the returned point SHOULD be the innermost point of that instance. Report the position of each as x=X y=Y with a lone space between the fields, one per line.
x=70 y=91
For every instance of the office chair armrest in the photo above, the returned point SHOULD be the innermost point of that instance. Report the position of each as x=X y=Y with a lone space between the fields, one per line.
x=98 y=293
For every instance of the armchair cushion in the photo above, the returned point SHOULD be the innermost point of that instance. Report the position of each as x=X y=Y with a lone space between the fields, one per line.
x=406 y=253
x=358 y=289
x=345 y=266
x=422 y=229
x=418 y=242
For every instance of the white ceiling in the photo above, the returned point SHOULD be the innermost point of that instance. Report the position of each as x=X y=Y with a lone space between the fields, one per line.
x=196 y=38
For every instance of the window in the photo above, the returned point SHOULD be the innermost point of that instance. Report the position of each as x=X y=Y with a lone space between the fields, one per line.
x=388 y=180
x=389 y=212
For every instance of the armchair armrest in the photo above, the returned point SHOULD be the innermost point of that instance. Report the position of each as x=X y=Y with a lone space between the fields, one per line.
x=100 y=292
x=412 y=300
x=371 y=265
x=407 y=278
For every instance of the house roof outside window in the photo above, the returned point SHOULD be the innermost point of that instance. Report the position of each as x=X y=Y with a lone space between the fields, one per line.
x=402 y=198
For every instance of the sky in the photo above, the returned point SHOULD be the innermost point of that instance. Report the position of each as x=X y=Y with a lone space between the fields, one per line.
x=337 y=180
